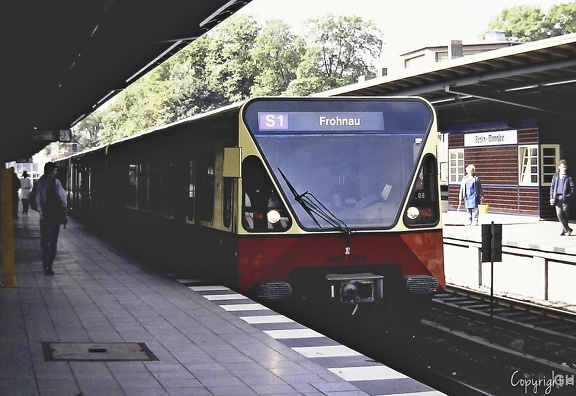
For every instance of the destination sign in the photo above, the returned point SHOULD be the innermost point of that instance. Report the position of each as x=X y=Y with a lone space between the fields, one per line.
x=320 y=121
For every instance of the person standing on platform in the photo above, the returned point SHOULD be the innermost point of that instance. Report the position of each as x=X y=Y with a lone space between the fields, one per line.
x=472 y=194
x=561 y=190
x=50 y=200
x=15 y=188
x=26 y=185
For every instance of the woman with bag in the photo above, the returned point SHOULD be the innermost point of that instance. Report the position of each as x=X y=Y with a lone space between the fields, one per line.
x=472 y=194
x=50 y=200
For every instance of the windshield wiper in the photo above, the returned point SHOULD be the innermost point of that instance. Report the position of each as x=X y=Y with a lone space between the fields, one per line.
x=313 y=206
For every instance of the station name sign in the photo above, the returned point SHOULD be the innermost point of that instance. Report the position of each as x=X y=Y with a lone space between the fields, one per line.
x=495 y=138
x=321 y=121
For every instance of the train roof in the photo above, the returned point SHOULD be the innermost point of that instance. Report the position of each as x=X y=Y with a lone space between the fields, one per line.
x=158 y=129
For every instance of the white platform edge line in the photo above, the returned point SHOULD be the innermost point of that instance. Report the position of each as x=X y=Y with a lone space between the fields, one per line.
x=367 y=373
x=326 y=351
x=208 y=288
x=264 y=319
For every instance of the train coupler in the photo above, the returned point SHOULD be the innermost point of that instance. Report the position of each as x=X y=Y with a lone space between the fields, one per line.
x=356 y=288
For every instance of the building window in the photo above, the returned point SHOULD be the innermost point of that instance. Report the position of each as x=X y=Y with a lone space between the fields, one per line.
x=441 y=56
x=550 y=154
x=528 y=156
x=457 y=169
x=415 y=61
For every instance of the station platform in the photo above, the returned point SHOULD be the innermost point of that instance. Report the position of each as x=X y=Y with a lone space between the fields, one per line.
x=538 y=264
x=106 y=324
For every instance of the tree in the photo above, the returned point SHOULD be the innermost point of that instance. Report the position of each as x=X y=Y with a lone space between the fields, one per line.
x=228 y=60
x=234 y=61
x=523 y=22
x=88 y=130
x=339 y=50
x=527 y=23
x=191 y=93
x=138 y=107
x=276 y=55
x=562 y=19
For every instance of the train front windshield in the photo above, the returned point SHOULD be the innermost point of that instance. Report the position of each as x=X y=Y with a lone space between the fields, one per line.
x=342 y=163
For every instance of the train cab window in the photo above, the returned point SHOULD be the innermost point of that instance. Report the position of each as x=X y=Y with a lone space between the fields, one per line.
x=262 y=208
x=423 y=205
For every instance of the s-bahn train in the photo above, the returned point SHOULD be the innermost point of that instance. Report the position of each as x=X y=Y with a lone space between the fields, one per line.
x=320 y=199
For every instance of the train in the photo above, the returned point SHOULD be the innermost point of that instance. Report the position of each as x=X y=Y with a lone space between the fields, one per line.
x=322 y=200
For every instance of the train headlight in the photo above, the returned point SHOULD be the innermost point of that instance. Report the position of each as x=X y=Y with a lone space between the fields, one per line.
x=412 y=212
x=273 y=216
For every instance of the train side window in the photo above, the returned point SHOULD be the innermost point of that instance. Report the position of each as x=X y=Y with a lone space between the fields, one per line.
x=205 y=189
x=161 y=186
x=262 y=208
x=228 y=201
x=132 y=193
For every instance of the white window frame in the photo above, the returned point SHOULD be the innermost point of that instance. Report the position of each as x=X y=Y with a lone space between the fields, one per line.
x=457 y=170
x=528 y=165
x=549 y=163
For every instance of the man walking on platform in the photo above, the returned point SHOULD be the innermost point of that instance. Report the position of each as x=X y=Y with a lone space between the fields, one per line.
x=49 y=198
x=561 y=190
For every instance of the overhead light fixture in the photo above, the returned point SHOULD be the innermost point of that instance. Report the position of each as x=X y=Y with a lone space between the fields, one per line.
x=151 y=64
x=77 y=120
x=559 y=83
x=521 y=88
x=219 y=11
x=443 y=100
x=106 y=97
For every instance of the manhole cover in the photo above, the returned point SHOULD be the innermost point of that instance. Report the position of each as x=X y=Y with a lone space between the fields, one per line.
x=79 y=351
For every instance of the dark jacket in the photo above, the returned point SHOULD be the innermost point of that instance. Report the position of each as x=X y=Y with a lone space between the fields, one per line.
x=567 y=188
x=39 y=195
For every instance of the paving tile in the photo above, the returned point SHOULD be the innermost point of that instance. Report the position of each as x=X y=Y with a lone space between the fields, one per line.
x=100 y=295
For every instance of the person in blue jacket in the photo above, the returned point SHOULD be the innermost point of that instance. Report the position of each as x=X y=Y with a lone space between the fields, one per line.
x=561 y=190
x=49 y=198
x=472 y=194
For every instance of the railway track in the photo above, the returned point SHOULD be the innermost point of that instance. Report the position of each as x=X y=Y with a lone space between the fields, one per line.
x=465 y=347
x=502 y=349
x=523 y=317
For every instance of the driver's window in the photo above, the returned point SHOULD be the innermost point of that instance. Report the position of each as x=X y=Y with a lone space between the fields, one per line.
x=262 y=207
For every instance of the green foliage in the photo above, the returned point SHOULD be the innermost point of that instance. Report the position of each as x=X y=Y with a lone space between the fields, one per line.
x=339 y=50
x=530 y=24
x=237 y=60
x=562 y=19
x=230 y=65
x=276 y=55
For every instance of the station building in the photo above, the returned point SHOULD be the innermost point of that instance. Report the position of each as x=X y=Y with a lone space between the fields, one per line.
x=509 y=111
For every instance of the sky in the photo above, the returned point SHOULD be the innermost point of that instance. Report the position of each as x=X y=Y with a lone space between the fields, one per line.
x=407 y=24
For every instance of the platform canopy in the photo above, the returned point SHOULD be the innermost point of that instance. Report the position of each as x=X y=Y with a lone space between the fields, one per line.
x=61 y=59
x=523 y=81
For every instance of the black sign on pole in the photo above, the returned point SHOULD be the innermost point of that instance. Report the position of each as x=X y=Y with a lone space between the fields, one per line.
x=491 y=242
x=491 y=252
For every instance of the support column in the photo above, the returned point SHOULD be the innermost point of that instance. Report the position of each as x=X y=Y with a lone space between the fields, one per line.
x=7 y=220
